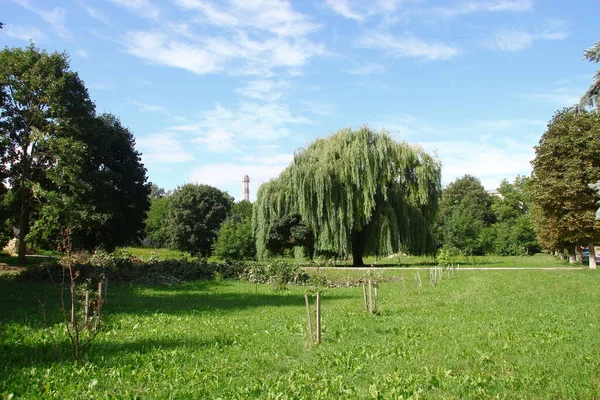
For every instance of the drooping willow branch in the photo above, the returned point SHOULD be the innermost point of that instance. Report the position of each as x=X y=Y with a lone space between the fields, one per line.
x=356 y=181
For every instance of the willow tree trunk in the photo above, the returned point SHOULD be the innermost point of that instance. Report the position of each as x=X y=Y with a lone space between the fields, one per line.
x=578 y=252
x=592 y=256
x=359 y=240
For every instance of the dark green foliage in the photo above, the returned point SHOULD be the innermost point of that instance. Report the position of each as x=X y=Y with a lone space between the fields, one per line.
x=567 y=160
x=132 y=270
x=104 y=196
x=66 y=166
x=288 y=232
x=465 y=211
x=514 y=234
x=194 y=216
x=235 y=241
x=156 y=222
x=44 y=110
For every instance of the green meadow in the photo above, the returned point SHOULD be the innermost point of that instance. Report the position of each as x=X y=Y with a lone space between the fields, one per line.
x=479 y=334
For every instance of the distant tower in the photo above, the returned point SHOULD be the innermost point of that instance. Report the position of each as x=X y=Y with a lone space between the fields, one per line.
x=246 y=183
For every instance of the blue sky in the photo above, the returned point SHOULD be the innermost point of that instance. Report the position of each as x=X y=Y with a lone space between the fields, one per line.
x=213 y=90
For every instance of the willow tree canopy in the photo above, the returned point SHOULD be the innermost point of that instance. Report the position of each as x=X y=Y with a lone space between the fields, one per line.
x=361 y=192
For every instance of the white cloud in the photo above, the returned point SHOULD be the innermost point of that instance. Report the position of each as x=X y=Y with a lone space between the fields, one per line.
x=562 y=96
x=82 y=53
x=94 y=13
x=218 y=140
x=143 y=107
x=274 y=16
x=408 y=46
x=519 y=39
x=24 y=32
x=55 y=18
x=343 y=8
x=248 y=122
x=367 y=68
x=470 y=7
x=319 y=108
x=250 y=38
x=238 y=55
x=489 y=162
x=162 y=148
x=160 y=49
x=141 y=8
x=264 y=89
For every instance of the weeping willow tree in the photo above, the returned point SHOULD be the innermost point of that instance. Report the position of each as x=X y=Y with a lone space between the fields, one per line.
x=361 y=192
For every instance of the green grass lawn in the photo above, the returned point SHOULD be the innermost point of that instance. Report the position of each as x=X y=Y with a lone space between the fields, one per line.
x=482 y=334
x=536 y=261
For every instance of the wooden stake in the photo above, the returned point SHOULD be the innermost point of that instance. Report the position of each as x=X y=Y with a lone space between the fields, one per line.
x=375 y=288
x=365 y=296
x=370 y=297
x=105 y=289
x=86 y=307
x=318 y=322
x=308 y=319
x=100 y=298
x=420 y=282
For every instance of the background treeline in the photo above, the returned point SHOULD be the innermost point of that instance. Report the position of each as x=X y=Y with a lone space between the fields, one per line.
x=473 y=221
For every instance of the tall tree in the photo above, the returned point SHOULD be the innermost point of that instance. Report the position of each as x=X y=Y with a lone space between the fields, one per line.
x=567 y=161
x=106 y=181
x=464 y=212
x=359 y=191
x=514 y=233
x=195 y=214
x=43 y=109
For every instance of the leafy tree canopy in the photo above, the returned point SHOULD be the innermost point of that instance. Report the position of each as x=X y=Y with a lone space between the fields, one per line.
x=235 y=241
x=359 y=191
x=44 y=108
x=567 y=160
x=195 y=214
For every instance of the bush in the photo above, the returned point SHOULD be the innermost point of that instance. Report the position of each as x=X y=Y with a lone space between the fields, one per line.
x=234 y=241
x=279 y=270
x=130 y=269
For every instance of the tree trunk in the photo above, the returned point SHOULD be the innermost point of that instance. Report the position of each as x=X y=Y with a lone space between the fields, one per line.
x=578 y=253
x=358 y=248
x=23 y=225
x=592 y=256
x=561 y=255
x=572 y=255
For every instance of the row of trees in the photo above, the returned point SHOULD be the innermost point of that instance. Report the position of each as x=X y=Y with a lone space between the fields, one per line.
x=200 y=219
x=566 y=175
x=473 y=221
x=64 y=170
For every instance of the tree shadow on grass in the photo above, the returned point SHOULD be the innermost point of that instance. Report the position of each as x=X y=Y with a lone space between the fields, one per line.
x=201 y=297
x=16 y=356
x=20 y=304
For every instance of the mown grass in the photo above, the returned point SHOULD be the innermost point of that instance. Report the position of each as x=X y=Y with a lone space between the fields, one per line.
x=482 y=334
x=536 y=261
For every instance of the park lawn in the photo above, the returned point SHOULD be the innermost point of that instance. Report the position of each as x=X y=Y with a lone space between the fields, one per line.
x=540 y=260
x=481 y=334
